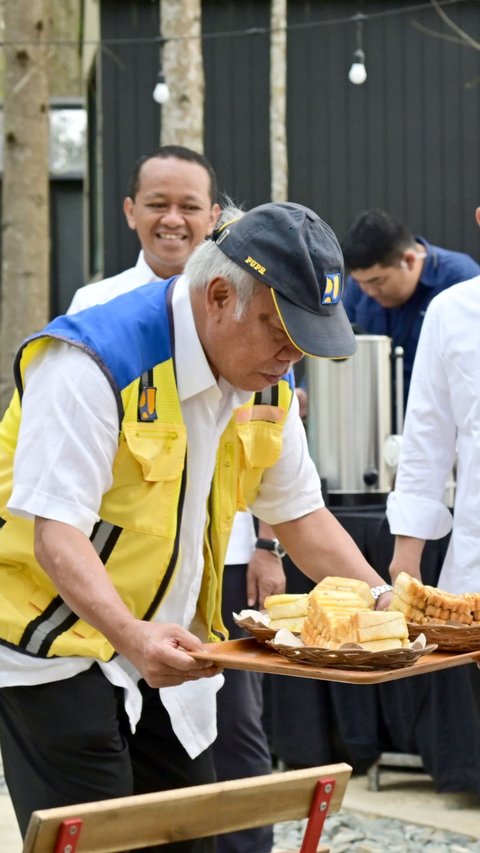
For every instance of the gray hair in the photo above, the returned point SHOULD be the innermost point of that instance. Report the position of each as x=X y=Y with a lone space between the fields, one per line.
x=208 y=261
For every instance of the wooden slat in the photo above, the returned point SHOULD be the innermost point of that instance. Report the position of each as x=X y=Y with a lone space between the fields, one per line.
x=135 y=822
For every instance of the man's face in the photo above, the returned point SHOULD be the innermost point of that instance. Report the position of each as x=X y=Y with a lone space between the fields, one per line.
x=391 y=286
x=251 y=353
x=172 y=212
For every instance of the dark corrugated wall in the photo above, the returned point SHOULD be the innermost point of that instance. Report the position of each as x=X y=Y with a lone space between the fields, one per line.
x=129 y=117
x=237 y=122
x=407 y=140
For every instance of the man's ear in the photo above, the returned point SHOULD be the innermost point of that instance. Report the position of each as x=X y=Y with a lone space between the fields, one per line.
x=128 y=205
x=477 y=215
x=218 y=293
x=410 y=257
x=214 y=214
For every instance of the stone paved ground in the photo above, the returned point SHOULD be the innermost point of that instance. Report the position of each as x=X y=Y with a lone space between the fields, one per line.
x=361 y=833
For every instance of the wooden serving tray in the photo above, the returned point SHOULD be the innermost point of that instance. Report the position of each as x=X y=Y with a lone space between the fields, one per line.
x=249 y=654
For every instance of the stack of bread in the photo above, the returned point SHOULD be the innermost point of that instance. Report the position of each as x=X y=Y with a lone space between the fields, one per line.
x=286 y=611
x=376 y=630
x=340 y=611
x=426 y=604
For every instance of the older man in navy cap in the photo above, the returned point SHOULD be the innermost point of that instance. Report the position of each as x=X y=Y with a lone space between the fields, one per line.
x=156 y=417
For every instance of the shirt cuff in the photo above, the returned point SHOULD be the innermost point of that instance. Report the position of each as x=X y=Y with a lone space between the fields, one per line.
x=420 y=517
x=26 y=505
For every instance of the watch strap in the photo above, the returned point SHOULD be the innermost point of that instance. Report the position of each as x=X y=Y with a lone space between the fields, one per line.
x=272 y=545
x=377 y=591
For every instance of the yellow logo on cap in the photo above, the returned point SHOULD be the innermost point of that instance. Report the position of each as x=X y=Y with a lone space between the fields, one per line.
x=255 y=265
x=332 y=290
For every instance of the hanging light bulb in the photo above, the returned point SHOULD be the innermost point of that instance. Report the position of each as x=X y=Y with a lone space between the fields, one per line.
x=358 y=72
x=161 y=92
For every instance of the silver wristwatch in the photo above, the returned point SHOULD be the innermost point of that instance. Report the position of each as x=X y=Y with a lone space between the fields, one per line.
x=377 y=591
x=272 y=545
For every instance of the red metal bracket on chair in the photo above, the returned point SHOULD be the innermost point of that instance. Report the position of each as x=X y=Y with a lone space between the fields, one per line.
x=318 y=813
x=68 y=836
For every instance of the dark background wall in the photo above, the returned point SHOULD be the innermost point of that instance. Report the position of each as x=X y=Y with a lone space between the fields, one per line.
x=127 y=122
x=407 y=140
x=237 y=92
x=67 y=272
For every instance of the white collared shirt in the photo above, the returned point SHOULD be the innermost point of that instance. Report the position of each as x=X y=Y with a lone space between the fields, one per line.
x=62 y=474
x=102 y=291
x=442 y=424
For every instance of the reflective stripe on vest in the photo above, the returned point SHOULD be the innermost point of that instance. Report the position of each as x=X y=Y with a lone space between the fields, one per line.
x=58 y=617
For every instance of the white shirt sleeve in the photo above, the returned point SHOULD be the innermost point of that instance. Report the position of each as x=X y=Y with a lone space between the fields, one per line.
x=67 y=441
x=290 y=488
x=416 y=507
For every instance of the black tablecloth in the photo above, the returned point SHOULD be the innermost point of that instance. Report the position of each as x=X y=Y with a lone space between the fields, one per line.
x=436 y=716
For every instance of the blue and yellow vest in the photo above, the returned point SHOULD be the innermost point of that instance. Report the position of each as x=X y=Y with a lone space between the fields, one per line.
x=137 y=538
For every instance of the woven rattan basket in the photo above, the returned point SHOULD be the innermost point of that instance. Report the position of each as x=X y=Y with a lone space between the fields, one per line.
x=353 y=658
x=449 y=636
x=256 y=629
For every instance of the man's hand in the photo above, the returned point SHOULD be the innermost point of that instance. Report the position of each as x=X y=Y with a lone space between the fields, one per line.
x=265 y=576
x=160 y=653
x=383 y=601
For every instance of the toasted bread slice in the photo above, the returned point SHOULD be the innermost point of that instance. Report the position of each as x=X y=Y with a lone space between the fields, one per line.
x=360 y=588
x=286 y=606
x=293 y=623
x=383 y=645
x=367 y=625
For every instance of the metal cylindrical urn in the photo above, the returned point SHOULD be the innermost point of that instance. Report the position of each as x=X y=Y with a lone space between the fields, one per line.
x=350 y=417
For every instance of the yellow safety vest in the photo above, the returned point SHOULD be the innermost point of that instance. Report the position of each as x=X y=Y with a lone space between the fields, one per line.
x=138 y=535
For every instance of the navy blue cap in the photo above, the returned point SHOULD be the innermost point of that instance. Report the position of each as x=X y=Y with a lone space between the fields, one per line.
x=295 y=253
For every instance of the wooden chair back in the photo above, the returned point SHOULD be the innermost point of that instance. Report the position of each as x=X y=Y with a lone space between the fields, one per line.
x=130 y=823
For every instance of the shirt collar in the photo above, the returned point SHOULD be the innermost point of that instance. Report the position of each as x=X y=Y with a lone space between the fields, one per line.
x=429 y=269
x=194 y=374
x=146 y=273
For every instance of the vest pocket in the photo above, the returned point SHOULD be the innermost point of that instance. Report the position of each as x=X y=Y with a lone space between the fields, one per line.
x=261 y=447
x=261 y=442
x=147 y=476
x=158 y=448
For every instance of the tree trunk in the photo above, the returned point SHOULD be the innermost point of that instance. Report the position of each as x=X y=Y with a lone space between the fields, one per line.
x=278 y=100
x=182 y=115
x=25 y=210
x=65 y=63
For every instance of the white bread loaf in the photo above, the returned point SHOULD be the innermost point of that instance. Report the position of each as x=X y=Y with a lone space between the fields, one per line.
x=337 y=598
x=359 y=588
x=293 y=624
x=383 y=645
x=370 y=625
x=425 y=604
x=321 y=626
x=286 y=605
x=341 y=610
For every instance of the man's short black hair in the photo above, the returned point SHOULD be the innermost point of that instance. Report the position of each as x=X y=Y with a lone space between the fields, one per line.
x=375 y=237
x=181 y=153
